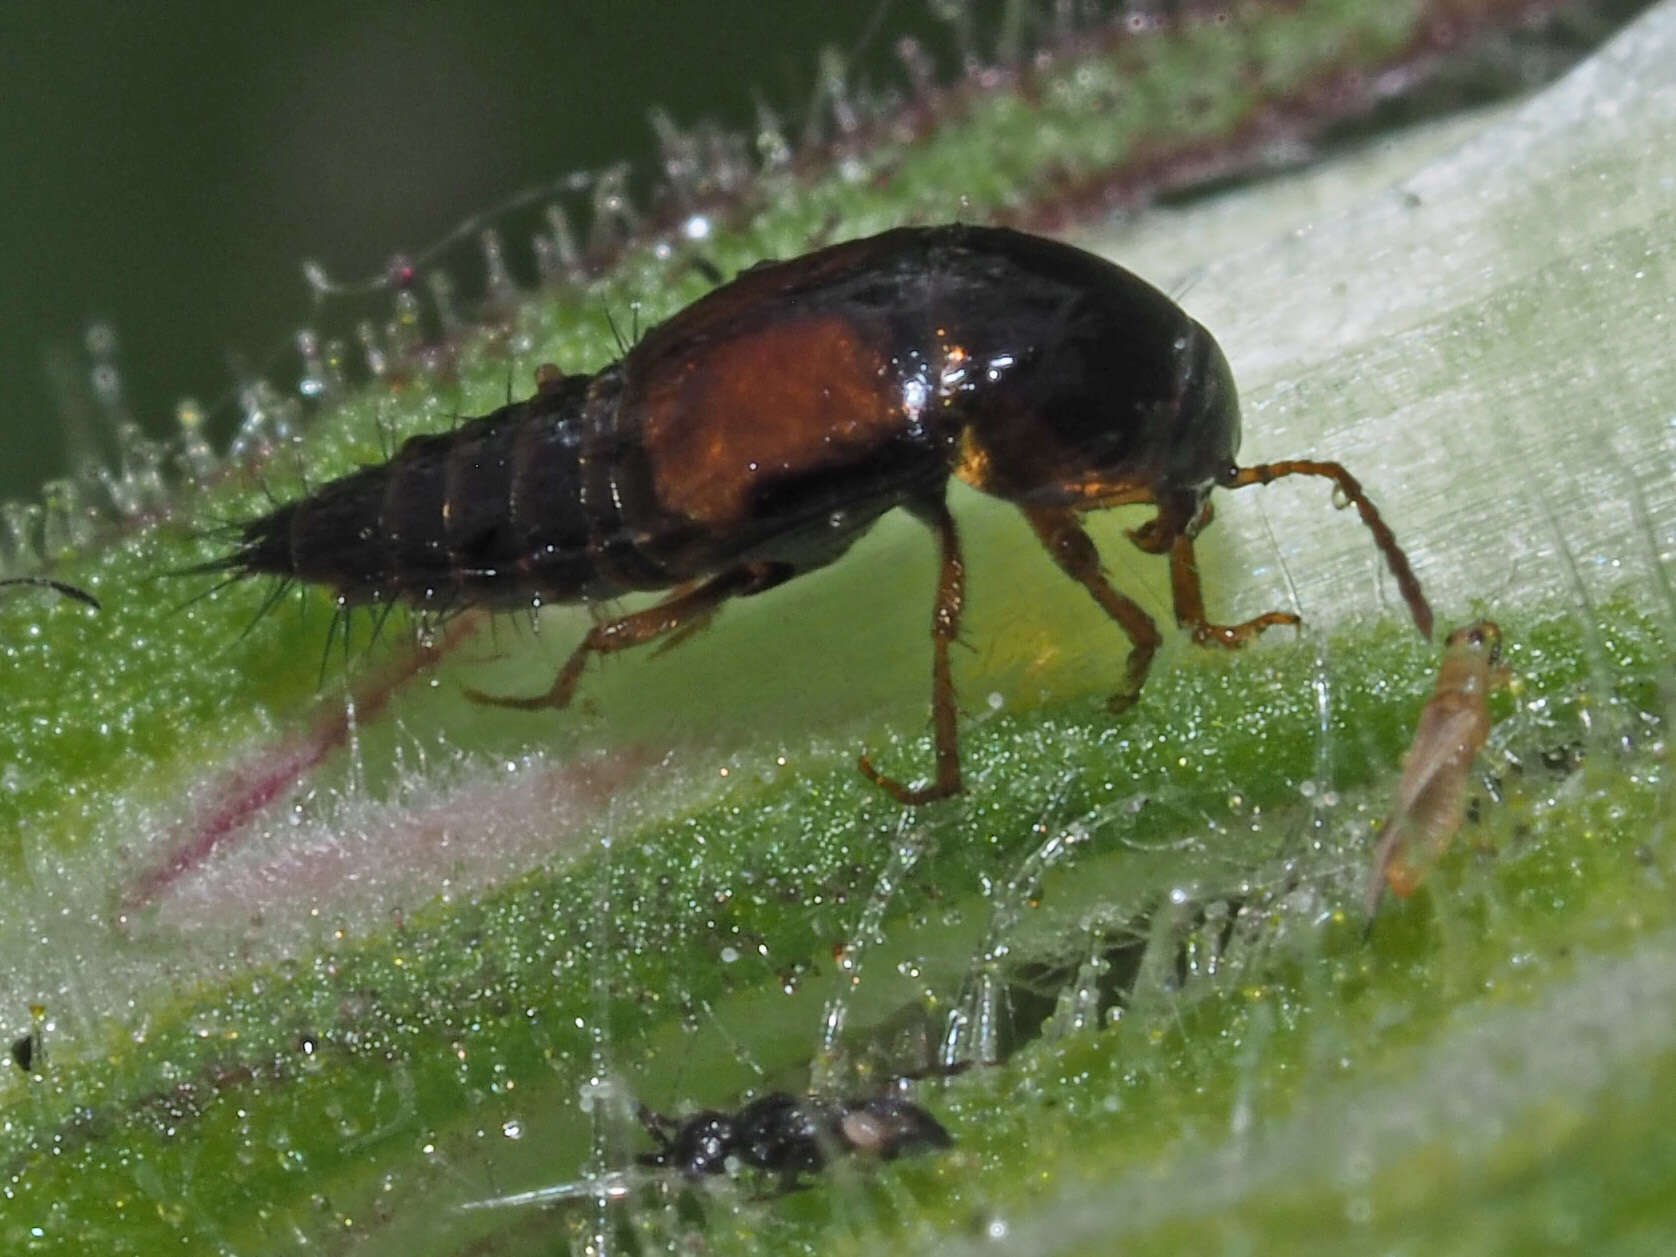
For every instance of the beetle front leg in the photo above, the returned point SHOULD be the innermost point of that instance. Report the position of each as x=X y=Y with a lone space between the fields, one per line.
x=1190 y=604
x=945 y=627
x=1075 y=553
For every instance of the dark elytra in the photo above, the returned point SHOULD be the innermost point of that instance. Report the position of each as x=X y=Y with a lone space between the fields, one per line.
x=759 y=432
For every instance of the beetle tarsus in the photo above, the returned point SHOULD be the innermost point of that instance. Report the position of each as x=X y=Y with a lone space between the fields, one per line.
x=908 y=795
x=1237 y=636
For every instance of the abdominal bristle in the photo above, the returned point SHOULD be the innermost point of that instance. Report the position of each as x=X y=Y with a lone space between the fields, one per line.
x=265 y=546
x=262 y=548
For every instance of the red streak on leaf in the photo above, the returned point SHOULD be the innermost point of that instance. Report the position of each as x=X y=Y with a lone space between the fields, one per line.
x=271 y=771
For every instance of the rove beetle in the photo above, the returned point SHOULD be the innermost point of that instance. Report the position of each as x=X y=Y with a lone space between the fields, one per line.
x=756 y=434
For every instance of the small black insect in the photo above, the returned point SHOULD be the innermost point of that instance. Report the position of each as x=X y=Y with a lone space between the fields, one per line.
x=790 y=1136
x=777 y=1134
x=758 y=433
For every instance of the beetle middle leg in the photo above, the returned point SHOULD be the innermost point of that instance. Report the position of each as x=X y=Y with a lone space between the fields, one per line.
x=686 y=609
x=945 y=627
x=1075 y=553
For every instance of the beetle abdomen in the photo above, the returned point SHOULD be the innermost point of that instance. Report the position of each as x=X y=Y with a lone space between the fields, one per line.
x=541 y=500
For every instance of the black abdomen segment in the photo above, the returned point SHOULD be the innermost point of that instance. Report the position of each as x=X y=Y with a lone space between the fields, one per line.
x=536 y=501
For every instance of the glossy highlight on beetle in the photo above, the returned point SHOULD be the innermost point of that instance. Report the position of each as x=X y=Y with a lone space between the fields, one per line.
x=758 y=433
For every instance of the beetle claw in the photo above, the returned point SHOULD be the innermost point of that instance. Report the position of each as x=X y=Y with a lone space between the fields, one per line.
x=1122 y=701
x=907 y=794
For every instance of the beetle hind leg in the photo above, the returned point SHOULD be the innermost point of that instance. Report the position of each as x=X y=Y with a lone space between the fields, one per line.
x=675 y=618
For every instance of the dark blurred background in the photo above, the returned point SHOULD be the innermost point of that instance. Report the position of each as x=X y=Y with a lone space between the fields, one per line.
x=170 y=166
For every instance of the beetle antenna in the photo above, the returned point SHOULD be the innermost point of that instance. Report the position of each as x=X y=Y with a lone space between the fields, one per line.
x=57 y=586
x=1383 y=537
x=1186 y=283
x=616 y=335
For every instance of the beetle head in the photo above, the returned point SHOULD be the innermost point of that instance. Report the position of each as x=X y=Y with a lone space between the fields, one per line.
x=1202 y=426
x=1109 y=410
